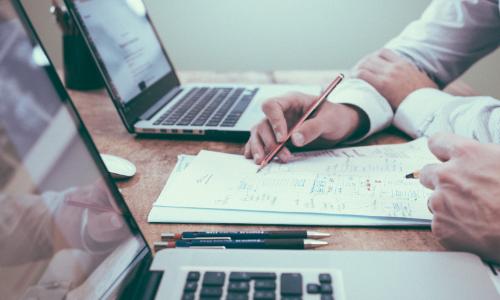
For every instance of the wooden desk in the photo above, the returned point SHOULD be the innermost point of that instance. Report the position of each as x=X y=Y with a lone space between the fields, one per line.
x=155 y=159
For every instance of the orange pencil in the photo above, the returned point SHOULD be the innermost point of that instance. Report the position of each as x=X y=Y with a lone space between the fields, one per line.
x=307 y=115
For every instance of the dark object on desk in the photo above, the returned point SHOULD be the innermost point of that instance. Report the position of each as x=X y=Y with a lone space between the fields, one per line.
x=80 y=70
x=245 y=235
x=243 y=244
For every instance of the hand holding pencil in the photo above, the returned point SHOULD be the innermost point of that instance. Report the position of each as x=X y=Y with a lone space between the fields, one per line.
x=327 y=125
x=90 y=211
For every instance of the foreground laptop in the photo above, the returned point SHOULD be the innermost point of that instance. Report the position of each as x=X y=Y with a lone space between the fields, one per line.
x=144 y=86
x=66 y=232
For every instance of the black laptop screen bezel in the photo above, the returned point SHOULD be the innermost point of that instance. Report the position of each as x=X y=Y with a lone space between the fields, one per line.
x=132 y=111
x=144 y=254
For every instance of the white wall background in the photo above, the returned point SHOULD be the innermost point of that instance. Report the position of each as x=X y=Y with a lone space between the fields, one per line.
x=262 y=35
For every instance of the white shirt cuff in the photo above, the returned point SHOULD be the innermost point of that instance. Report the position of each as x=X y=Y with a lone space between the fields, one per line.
x=359 y=93
x=416 y=113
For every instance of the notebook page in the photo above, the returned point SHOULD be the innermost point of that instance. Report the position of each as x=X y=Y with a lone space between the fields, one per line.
x=162 y=212
x=369 y=181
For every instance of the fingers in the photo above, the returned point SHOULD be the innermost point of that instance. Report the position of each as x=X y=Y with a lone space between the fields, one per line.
x=268 y=139
x=256 y=146
x=246 y=151
x=446 y=145
x=373 y=64
x=106 y=227
x=436 y=203
x=275 y=110
x=439 y=145
x=309 y=131
x=368 y=68
x=262 y=141
x=428 y=176
x=389 y=55
x=368 y=76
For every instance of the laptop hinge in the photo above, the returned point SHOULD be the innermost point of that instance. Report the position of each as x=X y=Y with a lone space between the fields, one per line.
x=160 y=103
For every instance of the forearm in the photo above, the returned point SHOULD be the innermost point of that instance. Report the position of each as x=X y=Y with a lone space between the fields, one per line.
x=25 y=220
x=428 y=111
x=374 y=112
x=449 y=37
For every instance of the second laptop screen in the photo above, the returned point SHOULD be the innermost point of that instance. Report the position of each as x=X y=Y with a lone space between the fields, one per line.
x=126 y=44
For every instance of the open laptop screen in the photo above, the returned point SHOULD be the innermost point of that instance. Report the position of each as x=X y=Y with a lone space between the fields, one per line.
x=64 y=231
x=125 y=43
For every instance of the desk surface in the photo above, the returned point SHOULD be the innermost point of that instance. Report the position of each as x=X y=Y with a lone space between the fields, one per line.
x=155 y=159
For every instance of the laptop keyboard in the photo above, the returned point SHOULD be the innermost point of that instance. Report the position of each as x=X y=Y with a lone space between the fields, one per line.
x=208 y=107
x=259 y=285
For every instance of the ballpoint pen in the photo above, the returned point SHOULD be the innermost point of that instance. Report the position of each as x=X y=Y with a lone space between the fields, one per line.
x=244 y=244
x=242 y=235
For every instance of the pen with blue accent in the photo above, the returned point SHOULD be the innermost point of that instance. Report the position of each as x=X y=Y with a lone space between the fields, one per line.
x=243 y=244
x=243 y=235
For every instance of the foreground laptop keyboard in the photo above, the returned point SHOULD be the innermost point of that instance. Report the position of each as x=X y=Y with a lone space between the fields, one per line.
x=208 y=107
x=259 y=285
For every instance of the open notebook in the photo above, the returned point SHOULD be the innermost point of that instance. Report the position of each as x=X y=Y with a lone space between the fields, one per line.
x=357 y=186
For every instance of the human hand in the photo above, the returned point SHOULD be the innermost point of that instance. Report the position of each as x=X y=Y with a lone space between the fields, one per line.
x=87 y=219
x=331 y=124
x=466 y=197
x=392 y=76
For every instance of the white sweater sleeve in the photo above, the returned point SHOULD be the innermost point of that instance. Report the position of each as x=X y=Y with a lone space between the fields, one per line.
x=359 y=93
x=428 y=111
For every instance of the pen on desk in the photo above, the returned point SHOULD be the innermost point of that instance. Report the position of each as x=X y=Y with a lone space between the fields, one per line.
x=245 y=235
x=413 y=175
x=307 y=115
x=244 y=244
x=94 y=207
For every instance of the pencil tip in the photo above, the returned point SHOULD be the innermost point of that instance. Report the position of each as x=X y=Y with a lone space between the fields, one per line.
x=310 y=244
x=161 y=245
x=410 y=176
x=170 y=236
x=317 y=234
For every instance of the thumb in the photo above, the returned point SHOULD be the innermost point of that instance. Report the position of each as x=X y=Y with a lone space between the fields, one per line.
x=446 y=145
x=307 y=132
x=428 y=176
x=104 y=227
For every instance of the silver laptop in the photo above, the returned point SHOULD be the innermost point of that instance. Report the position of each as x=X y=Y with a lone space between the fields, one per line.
x=66 y=232
x=143 y=84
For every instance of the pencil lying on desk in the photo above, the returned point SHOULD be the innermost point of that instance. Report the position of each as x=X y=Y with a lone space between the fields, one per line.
x=307 y=115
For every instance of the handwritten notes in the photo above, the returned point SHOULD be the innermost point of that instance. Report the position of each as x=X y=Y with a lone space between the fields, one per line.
x=366 y=181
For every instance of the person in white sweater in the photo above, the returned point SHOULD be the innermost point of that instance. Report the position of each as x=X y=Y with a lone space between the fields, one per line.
x=401 y=84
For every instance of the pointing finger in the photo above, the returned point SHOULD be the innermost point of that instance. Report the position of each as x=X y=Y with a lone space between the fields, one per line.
x=274 y=112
